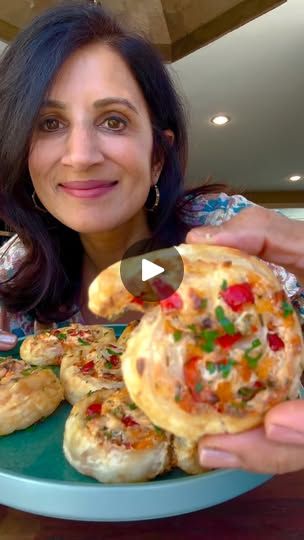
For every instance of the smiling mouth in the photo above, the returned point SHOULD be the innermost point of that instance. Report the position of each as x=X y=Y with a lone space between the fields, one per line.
x=89 y=189
x=88 y=184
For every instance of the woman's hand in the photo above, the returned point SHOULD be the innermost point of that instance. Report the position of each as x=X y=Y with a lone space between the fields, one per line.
x=260 y=232
x=7 y=340
x=278 y=446
x=275 y=448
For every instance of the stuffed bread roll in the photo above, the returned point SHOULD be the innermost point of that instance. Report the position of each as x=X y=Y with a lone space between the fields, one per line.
x=26 y=394
x=218 y=353
x=185 y=456
x=126 y=333
x=47 y=347
x=107 y=437
x=82 y=372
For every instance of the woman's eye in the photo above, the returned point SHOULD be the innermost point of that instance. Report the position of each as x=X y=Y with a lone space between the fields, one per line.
x=50 y=124
x=114 y=123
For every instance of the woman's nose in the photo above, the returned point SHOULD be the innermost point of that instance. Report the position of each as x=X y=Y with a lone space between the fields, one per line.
x=82 y=149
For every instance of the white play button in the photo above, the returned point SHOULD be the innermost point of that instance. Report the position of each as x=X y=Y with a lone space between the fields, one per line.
x=150 y=269
x=140 y=271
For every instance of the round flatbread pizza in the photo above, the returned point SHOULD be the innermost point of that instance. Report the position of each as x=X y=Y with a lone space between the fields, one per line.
x=219 y=352
x=48 y=347
x=27 y=394
x=109 y=438
x=84 y=371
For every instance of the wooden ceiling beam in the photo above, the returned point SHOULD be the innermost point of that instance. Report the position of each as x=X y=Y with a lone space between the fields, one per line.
x=177 y=27
x=231 y=19
x=7 y=31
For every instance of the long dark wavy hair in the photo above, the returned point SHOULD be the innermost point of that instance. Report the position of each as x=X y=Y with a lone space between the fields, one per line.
x=47 y=282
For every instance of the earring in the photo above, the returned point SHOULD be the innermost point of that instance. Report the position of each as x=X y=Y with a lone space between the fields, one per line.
x=157 y=197
x=36 y=204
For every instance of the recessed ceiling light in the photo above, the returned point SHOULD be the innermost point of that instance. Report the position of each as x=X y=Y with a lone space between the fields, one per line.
x=295 y=178
x=220 y=120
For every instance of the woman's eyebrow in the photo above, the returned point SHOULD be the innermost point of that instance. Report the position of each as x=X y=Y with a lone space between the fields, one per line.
x=114 y=101
x=54 y=103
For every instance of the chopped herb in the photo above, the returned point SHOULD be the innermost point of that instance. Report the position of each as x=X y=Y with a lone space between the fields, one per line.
x=110 y=351
x=225 y=369
x=237 y=405
x=28 y=371
x=287 y=309
x=158 y=430
x=108 y=365
x=224 y=321
x=211 y=367
x=253 y=360
x=204 y=303
x=192 y=327
x=61 y=336
x=198 y=387
x=177 y=396
x=209 y=337
x=224 y=285
x=246 y=393
x=177 y=335
x=132 y=406
x=83 y=341
x=108 y=433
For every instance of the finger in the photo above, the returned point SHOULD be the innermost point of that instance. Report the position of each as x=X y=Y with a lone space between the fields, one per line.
x=285 y=422
x=245 y=241
x=252 y=451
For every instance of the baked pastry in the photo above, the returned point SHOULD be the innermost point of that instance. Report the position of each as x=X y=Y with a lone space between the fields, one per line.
x=185 y=456
x=83 y=371
x=47 y=347
x=219 y=352
x=107 y=437
x=27 y=394
x=126 y=333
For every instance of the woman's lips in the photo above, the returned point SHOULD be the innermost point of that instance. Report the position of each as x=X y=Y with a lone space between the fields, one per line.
x=89 y=189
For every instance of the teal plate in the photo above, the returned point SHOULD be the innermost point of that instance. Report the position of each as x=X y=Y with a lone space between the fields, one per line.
x=36 y=478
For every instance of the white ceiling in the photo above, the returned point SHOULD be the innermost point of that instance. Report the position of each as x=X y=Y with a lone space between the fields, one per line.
x=255 y=75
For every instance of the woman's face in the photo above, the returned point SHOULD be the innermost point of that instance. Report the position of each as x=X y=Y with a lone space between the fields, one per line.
x=91 y=153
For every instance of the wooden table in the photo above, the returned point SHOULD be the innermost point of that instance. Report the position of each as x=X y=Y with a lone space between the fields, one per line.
x=273 y=511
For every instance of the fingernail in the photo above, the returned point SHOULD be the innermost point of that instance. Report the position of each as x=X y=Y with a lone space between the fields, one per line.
x=7 y=339
x=285 y=434
x=212 y=457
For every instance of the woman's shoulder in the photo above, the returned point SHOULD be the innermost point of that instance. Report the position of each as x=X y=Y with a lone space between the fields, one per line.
x=12 y=254
x=211 y=208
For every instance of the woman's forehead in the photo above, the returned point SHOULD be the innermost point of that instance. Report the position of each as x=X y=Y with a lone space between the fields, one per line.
x=99 y=72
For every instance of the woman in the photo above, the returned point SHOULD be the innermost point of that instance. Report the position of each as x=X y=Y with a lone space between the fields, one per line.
x=91 y=123
x=93 y=137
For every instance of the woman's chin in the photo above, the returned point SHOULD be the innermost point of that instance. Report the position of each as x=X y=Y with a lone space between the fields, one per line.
x=91 y=226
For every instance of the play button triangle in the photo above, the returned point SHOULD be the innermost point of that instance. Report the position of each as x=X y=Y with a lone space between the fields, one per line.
x=150 y=270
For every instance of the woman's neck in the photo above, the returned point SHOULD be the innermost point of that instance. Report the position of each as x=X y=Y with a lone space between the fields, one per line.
x=107 y=247
x=103 y=249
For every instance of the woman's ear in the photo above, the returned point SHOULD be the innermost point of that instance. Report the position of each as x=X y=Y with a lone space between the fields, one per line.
x=157 y=167
x=170 y=136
